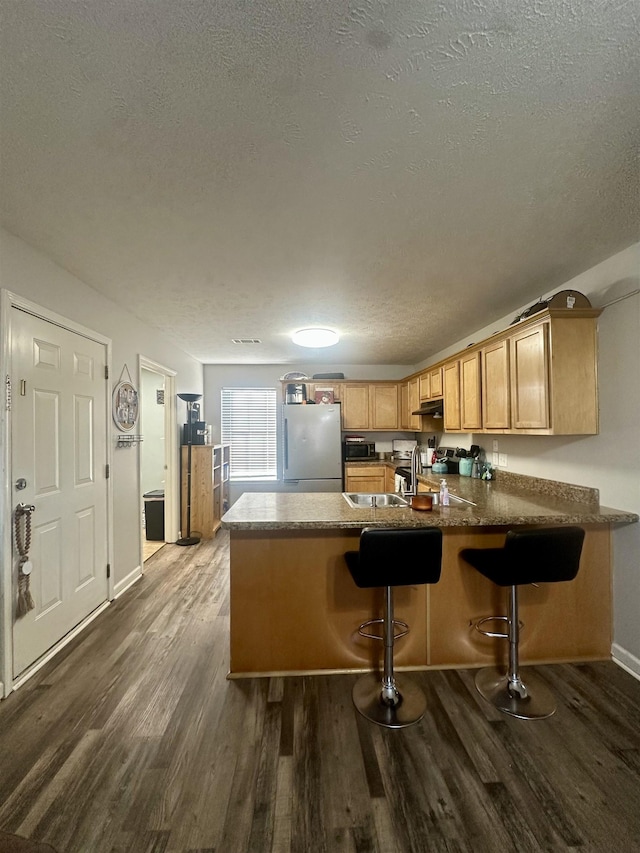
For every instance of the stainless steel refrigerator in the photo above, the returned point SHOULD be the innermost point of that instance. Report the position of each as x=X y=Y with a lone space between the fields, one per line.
x=312 y=448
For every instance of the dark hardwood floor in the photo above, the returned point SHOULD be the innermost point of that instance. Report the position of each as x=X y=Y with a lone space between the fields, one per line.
x=133 y=740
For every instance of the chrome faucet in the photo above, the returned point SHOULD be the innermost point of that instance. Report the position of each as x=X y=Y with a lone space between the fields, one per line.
x=415 y=470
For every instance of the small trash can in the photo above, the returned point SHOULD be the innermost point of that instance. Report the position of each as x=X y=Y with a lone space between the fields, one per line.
x=154 y=515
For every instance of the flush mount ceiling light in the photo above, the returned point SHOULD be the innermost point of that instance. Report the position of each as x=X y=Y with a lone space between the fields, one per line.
x=315 y=337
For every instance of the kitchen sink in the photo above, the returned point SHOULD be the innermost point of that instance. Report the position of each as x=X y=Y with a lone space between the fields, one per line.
x=365 y=499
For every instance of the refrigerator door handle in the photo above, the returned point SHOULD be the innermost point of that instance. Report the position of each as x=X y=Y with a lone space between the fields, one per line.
x=286 y=445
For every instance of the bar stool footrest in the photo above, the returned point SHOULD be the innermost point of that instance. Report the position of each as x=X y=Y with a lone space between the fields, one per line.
x=396 y=635
x=498 y=634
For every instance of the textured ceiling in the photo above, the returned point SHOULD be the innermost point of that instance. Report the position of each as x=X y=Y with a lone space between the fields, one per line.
x=404 y=172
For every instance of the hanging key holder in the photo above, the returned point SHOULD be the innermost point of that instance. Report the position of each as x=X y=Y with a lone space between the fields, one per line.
x=22 y=527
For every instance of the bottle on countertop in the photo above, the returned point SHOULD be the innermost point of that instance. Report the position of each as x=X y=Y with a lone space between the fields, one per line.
x=444 y=493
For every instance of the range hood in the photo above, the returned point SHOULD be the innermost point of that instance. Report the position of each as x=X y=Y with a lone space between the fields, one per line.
x=430 y=407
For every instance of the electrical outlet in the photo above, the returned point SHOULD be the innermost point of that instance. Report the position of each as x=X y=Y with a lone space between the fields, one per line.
x=502 y=460
x=495 y=458
x=495 y=445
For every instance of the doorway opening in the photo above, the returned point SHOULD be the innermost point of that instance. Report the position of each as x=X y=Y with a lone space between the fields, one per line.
x=158 y=457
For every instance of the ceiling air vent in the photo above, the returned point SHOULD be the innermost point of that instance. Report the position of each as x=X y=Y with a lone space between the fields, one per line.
x=245 y=341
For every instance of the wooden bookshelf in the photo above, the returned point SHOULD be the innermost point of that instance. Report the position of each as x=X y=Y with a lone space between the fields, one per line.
x=209 y=487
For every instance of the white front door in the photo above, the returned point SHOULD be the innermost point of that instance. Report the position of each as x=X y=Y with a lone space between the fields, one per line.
x=58 y=455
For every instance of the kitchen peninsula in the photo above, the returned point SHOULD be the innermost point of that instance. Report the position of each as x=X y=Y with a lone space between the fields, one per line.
x=294 y=607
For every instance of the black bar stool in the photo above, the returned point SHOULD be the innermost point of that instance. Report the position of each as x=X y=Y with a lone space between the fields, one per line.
x=529 y=556
x=387 y=558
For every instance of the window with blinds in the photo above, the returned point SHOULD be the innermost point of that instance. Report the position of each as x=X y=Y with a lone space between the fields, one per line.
x=249 y=425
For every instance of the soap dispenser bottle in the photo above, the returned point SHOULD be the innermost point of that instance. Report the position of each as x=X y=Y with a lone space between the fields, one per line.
x=444 y=493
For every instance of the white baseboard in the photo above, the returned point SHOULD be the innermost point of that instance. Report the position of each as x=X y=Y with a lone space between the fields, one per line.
x=125 y=583
x=626 y=660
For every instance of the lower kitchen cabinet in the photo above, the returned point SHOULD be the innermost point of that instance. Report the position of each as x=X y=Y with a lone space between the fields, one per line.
x=369 y=478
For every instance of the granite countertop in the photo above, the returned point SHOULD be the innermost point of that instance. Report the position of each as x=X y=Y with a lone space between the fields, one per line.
x=513 y=499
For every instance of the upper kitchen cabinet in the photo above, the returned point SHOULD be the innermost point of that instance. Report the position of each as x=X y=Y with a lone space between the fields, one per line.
x=462 y=402
x=384 y=406
x=496 y=386
x=370 y=406
x=355 y=405
x=553 y=370
x=540 y=377
x=435 y=383
x=424 y=381
x=409 y=402
x=431 y=384
x=529 y=373
x=470 y=399
x=451 y=377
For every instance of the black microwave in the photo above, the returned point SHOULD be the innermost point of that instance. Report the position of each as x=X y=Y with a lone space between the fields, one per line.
x=358 y=450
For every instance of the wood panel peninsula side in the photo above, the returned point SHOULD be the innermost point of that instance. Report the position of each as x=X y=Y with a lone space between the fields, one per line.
x=295 y=608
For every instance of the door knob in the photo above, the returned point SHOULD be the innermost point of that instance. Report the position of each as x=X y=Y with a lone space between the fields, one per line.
x=21 y=483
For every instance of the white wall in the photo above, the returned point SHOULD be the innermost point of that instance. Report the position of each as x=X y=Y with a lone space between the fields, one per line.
x=30 y=274
x=152 y=451
x=609 y=461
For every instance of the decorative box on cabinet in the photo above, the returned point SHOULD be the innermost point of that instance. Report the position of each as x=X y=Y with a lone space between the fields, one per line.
x=209 y=487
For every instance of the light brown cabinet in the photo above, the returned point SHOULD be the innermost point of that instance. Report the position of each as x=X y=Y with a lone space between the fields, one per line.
x=452 y=415
x=537 y=378
x=529 y=360
x=370 y=478
x=436 y=386
x=390 y=478
x=470 y=397
x=413 y=422
x=431 y=384
x=496 y=387
x=209 y=487
x=370 y=406
x=424 y=382
x=355 y=405
x=462 y=403
x=385 y=409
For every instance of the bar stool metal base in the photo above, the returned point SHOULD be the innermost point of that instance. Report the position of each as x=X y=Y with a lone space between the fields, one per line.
x=526 y=698
x=410 y=708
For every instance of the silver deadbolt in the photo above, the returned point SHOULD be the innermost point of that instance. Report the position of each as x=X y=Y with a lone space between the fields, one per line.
x=21 y=483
